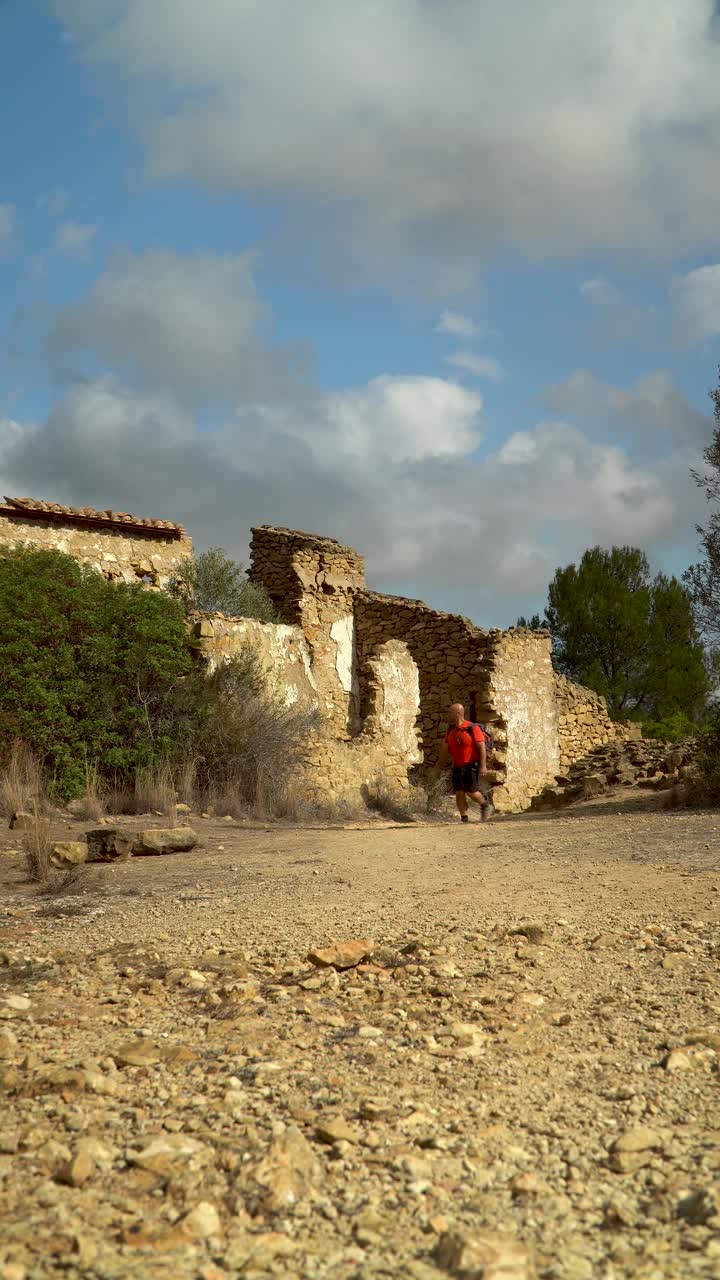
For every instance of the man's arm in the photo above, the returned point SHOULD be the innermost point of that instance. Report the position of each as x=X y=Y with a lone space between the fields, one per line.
x=483 y=756
x=443 y=757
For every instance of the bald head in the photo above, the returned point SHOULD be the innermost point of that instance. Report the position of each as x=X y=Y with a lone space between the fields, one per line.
x=456 y=713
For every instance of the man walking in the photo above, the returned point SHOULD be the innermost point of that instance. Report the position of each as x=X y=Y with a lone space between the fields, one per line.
x=464 y=744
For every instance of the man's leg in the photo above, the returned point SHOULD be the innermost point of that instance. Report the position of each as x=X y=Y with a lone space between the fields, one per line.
x=461 y=802
x=487 y=806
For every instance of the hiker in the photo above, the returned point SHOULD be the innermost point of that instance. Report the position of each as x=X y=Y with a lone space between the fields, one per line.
x=464 y=744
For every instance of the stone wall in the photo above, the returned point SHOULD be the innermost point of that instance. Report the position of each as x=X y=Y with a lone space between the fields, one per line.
x=122 y=547
x=282 y=649
x=312 y=582
x=583 y=722
x=520 y=699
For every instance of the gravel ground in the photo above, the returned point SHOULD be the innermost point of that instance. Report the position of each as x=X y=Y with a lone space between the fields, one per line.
x=517 y=1078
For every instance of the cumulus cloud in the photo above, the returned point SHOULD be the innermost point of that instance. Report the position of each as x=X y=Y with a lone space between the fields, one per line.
x=8 y=221
x=188 y=322
x=481 y=366
x=74 y=239
x=450 y=128
x=398 y=467
x=652 y=404
x=696 y=304
x=479 y=532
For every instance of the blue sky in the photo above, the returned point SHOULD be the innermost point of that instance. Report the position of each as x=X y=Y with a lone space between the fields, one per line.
x=387 y=271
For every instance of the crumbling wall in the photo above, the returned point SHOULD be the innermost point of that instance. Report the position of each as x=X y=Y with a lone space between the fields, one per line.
x=312 y=582
x=521 y=697
x=122 y=547
x=584 y=722
x=282 y=649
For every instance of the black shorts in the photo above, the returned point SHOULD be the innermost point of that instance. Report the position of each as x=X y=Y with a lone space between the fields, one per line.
x=466 y=777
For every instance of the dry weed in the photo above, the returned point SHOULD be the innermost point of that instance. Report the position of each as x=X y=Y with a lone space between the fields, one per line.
x=22 y=782
x=92 y=803
x=37 y=847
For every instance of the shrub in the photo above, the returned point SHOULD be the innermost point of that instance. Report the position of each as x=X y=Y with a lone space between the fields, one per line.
x=673 y=728
x=22 y=781
x=88 y=667
x=239 y=740
x=213 y=583
x=708 y=761
x=37 y=847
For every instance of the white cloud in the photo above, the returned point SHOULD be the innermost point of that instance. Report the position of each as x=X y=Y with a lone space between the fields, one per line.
x=456 y=323
x=481 y=366
x=397 y=467
x=599 y=291
x=447 y=130
x=74 y=240
x=696 y=304
x=651 y=404
x=186 y=322
x=8 y=220
x=54 y=202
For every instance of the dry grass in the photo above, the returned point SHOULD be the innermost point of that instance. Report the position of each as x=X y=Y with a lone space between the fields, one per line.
x=37 y=847
x=22 y=782
x=154 y=792
x=92 y=804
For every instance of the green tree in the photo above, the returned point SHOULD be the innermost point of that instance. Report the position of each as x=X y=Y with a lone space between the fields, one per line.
x=535 y=623
x=630 y=637
x=703 y=578
x=89 y=667
x=214 y=583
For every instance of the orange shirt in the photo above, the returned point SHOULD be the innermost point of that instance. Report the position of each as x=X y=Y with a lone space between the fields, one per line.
x=463 y=742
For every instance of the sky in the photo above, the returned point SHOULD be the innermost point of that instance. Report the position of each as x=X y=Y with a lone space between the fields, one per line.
x=437 y=278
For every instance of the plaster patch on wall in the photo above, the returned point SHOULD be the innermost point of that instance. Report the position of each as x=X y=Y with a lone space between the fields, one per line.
x=342 y=632
x=396 y=698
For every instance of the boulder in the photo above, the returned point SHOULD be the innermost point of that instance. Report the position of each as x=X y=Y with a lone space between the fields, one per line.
x=109 y=844
x=22 y=821
x=68 y=853
x=157 y=840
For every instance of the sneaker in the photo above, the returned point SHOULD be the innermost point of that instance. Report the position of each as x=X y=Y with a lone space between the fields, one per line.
x=464 y=817
x=488 y=810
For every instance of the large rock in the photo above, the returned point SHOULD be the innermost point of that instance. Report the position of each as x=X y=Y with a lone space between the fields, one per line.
x=68 y=853
x=22 y=821
x=483 y=1255
x=342 y=955
x=109 y=844
x=158 y=840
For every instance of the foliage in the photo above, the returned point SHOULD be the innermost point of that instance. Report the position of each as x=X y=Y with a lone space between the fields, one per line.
x=703 y=578
x=630 y=637
x=708 y=760
x=88 y=667
x=536 y=623
x=243 y=742
x=673 y=728
x=213 y=583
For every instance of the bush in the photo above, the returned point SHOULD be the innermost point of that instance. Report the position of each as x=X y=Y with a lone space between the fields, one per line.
x=707 y=761
x=673 y=728
x=88 y=668
x=100 y=687
x=213 y=583
x=240 y=742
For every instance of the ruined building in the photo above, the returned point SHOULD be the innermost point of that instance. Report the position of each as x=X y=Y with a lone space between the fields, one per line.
x=381 y=669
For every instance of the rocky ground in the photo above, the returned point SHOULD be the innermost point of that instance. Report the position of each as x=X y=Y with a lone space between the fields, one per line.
x=517 y=1078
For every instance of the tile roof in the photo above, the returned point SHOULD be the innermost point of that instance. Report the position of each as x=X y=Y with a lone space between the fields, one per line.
x=36 y=508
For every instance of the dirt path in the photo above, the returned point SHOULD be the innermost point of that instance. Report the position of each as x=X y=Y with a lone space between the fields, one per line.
x=185 y=1095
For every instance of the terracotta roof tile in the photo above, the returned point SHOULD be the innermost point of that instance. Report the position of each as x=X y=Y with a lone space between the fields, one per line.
x=38 y=507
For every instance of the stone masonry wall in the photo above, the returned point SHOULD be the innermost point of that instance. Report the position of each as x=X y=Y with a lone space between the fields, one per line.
x=283 y=651
x=583 y=722
x=521 y=698
x=130 y=555
x=312 y=582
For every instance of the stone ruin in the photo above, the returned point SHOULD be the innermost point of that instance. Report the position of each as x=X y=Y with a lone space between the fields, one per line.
x=381 y=669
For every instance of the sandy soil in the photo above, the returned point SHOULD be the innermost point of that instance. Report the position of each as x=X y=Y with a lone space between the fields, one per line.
x=185 y=1095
